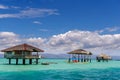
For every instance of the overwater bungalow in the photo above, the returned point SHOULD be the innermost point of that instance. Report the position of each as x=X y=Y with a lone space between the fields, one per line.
x=79 y=55
x=23 y=51
x=103 y=57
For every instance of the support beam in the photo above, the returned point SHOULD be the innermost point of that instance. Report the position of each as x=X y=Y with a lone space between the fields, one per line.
x=102 y=59
x=30 y=61
x=90 y=58
x=16 y=61
x=81 y=58
x=87 y=58
x=36 y=61
x=9 y=60
x=23 y=61
x=78 y=58
x=84 y=58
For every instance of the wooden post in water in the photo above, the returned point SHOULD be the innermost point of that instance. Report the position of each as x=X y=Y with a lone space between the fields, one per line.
x=16 y=61
x=84 y=60
x=90 y=58
x=81 y=58
x=30 y=61
x=87 y=59
x=24 y=61
x=78 y=58
x=36 y=60
x=9 y=60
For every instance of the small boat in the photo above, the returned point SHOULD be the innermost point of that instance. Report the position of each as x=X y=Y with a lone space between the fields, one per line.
x=44 y=63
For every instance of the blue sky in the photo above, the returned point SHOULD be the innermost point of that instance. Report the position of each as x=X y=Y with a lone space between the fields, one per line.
x=49 y=22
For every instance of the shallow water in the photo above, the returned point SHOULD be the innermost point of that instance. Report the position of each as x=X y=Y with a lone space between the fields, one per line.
x=60 y=71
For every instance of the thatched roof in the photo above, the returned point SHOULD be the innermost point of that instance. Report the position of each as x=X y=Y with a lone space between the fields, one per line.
x=23 y=47
x=80 y=51
x=105 y=56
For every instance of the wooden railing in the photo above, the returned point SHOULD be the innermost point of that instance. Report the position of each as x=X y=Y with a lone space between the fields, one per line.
x=32 y=56
x=21 y=56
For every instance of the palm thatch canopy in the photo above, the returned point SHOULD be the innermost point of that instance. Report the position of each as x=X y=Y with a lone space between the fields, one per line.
x=23 y=47
x=80 y=51
x=105 y=56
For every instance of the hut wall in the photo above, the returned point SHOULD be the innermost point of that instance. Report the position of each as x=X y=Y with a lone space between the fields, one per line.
x=17 y=54
x=22 y=54
x=8 y=54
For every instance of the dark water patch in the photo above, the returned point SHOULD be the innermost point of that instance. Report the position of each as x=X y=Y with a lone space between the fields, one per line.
x=76 y=74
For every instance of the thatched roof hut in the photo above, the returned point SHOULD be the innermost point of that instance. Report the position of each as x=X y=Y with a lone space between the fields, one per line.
x=80 y=51
x=105 y=56
x=23 y=47
x=23 y=51
x=85 y=55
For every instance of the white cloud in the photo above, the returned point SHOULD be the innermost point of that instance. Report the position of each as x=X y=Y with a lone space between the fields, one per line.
x=31 y=13
x=68 y=41
x=7 y=16
x=8 y=39
x=36 y=41
x=8 y=7
x=113 y=29
x=84 y=39
x=7 y=34
x=108 y=29
x=37 y=22
x=3 y=7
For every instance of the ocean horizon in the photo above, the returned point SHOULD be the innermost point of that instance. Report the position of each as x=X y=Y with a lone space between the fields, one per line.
x=60 y=69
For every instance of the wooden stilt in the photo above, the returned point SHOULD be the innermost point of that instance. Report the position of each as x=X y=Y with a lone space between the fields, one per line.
x=9 y=60
x=106 y=60
x=30 y=61
x=81 y=58
x=87 y=58
x=69 y=59
x=103 y=59
x=72 y=58
x=36 y=61
x=78 y=58
x=84 y=59
x=16 y=61
x=90 y=58
x=23 y=61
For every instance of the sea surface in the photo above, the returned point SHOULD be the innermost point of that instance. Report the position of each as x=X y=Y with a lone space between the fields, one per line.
x=60 y=69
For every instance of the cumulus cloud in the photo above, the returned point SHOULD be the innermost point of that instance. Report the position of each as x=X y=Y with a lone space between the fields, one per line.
x=68 y=41
x=8 y=39
x=3 y=7
x=36 y=41
x=84 y=39
x=31 y=13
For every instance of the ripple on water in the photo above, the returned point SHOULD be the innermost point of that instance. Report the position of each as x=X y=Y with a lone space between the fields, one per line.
x=76 y=74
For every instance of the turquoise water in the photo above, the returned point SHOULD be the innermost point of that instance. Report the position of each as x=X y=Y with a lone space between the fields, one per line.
x=60 y=71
